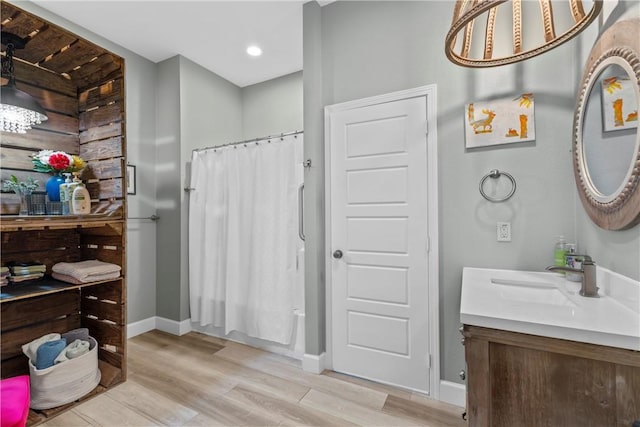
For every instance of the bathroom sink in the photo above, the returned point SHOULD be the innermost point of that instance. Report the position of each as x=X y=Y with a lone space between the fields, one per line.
x=531 y=292
x=546 y=304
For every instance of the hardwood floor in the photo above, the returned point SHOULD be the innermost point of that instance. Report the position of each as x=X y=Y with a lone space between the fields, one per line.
x=197 y=380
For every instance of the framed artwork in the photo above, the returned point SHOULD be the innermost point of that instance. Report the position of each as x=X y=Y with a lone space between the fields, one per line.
x=619 y=105
x=131 y=179
x=501 y=121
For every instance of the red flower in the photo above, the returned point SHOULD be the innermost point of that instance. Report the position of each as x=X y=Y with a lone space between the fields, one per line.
x=59 y=161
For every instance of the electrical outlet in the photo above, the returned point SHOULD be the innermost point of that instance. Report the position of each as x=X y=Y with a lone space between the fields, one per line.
x=504 y=231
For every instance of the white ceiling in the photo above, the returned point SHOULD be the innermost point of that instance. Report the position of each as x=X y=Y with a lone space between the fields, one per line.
x=214 y=34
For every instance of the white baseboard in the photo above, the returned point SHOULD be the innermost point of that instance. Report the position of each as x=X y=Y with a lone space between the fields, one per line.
x=141 y=326
x=313 y=363
x=172 y=326
x=453 y=393
x=166 y=325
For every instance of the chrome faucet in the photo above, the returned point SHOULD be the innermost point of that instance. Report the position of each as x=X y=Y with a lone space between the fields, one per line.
x=588 y=273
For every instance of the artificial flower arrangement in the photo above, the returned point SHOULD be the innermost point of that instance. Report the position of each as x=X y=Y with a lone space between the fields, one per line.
x=56 y=162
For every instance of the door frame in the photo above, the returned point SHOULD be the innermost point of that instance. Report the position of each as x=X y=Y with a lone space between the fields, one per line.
x=430 y=94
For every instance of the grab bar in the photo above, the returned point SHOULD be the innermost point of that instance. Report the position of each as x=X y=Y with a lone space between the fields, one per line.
x=301 y=212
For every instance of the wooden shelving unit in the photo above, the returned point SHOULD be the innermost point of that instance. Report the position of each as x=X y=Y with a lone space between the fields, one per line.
x=81 y=86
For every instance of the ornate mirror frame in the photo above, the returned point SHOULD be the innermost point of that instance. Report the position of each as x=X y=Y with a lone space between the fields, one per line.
x=619 y=45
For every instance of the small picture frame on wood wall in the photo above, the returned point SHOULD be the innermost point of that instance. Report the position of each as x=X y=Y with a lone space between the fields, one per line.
x=131 y=179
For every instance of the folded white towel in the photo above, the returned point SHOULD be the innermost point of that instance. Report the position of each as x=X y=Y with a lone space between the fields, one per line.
x=31 y=349
x=73 y=350
x=85 y=270
x=94 y=278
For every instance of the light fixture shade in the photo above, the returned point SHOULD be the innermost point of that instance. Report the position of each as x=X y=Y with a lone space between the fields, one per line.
x=513 y=34
x=19 y=111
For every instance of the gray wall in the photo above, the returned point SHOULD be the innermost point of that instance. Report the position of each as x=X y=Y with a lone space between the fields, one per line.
x=211 y=114
x=314 y=248
x=168 y=190
x=140 y=75
x=372 y=48
x=196 y=109
x=272 y=107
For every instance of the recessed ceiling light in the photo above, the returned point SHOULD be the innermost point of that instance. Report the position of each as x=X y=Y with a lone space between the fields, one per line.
x=254 y=51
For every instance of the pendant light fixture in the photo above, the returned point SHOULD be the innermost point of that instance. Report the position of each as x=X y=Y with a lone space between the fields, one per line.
x=513 y=34
x=19 y=111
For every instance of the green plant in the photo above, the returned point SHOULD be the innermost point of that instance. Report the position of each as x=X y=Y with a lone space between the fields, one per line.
x=20 y=187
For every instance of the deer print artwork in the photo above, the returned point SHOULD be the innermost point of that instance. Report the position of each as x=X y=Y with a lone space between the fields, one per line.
x=484 y=124
x=500 y=121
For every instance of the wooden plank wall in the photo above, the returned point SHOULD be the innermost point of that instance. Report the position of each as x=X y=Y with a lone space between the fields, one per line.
x=47 y=247
x=58 y=97
x=104 y=314
x=101 y=125
x=103 y=306
x=81 y=86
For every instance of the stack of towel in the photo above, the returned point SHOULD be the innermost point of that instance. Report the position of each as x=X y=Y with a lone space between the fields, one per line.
x=23 y=271
x=85 y=271
x=51 y=349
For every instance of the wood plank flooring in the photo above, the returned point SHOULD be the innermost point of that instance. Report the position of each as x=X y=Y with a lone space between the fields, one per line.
x=197 y=380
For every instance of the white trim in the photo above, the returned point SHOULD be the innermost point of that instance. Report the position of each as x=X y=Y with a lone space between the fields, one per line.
x=453 y=393
x=172 y=326
x=430 y=93
x=141 y=326
x=313 y=363
x=162 y=324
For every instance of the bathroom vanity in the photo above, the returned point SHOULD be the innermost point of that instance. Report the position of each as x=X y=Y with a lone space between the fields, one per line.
x=539 y=354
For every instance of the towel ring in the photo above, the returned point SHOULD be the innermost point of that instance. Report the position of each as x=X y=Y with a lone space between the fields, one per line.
x=495 y=174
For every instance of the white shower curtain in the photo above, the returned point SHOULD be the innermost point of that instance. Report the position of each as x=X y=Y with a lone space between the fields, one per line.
x=242 y=237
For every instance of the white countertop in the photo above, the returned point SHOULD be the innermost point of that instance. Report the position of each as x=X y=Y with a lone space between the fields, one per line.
x=546 y=304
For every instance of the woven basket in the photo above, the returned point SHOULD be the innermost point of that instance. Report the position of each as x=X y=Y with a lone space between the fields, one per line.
x=65 y=382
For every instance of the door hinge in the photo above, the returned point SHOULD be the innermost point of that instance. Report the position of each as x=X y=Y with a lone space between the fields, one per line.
x=428 y=244
x=429 y=361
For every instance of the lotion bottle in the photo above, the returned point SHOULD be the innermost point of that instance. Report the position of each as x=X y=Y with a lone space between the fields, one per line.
x=72 y=186
x=81 y=201
x=65 y=195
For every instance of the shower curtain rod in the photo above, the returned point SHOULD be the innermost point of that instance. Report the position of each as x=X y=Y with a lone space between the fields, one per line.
x=247 y=141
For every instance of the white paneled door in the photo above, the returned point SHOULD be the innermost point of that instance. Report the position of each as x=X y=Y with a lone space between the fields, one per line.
x=379 y=242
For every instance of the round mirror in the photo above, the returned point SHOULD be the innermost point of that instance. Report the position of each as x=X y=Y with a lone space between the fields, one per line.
x=606 y=138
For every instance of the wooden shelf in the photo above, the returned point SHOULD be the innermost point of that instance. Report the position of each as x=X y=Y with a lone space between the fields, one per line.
x=43 y=286
x=85 y=102
x=44 y=222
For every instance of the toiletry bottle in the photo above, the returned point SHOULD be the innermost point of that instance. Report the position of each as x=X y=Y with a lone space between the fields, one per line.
x=81 y=201
x=65 y=195
x=75 y=183
x=560 y=252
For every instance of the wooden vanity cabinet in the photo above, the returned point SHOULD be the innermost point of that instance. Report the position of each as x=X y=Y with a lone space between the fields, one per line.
x=516 y=379
x=82 y=88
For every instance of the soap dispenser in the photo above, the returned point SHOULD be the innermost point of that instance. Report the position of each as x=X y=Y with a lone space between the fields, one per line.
x=81 y=201
x=65 y=194
x=560 y=252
